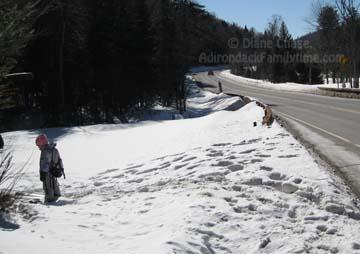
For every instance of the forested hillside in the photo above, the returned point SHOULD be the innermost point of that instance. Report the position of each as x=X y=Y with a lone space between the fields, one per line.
x=93 y=60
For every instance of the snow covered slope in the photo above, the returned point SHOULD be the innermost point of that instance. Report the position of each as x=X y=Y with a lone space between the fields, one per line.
x=212 y=184
x=295 y=87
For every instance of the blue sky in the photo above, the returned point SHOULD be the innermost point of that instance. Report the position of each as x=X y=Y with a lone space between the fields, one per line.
x=257 y=13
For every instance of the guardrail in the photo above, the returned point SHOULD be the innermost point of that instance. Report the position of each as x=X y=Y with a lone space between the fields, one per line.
x=341 y=92
x=268 y=118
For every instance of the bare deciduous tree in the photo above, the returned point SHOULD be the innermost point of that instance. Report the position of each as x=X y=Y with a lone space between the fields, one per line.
x=350 y=18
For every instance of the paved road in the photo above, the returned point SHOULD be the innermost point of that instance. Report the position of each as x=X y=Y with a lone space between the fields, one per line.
x=331 y=126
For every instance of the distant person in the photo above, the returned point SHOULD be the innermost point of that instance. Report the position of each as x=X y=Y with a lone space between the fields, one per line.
x=1 y=142
x=50 y=166
x=220 y=87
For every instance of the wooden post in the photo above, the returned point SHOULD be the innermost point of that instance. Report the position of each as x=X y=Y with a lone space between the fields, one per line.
x=1 y=142
x=220 y=87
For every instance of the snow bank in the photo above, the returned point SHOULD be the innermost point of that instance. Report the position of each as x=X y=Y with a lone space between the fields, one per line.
x=213 y=184
x=199 y=103
x=281 y=86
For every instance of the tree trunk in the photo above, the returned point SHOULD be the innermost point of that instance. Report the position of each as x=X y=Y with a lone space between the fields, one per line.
x=356 y=76
x=61 y=57
x=180 y=106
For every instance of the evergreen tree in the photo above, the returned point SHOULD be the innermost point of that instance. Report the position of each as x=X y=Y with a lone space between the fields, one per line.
x=329 y=29
x=16 y=31
x=95 y=60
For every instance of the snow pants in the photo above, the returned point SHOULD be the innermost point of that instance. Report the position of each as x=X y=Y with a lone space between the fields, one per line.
x=51 y=188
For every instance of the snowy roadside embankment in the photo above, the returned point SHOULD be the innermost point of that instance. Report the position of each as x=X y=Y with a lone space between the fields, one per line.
x=199 y=103
x=290 y=87
x=213 y=184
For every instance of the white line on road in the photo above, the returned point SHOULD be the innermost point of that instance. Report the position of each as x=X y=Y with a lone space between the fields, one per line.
x=320 y=129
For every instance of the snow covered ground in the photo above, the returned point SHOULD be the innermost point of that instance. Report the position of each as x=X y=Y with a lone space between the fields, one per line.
x=210 y=184
x=281 y=86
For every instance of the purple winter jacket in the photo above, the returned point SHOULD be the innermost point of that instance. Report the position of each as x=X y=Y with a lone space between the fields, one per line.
x=49 y=154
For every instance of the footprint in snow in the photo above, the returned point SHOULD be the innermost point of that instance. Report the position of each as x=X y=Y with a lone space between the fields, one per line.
x=271 y=144
x=209 y=225
x=356 y=246
x=215 y=154
x=96 y=214
x=108 y=171
x=230 y=200
x=167 y=156
x=312 y=218
x=98 y=184
x=144 y=189
x=131 y=171
x=222 y=144
x=246 y=209
x=277 y=176
x=180 y=166
x=217 y=176
x=223 y=164
x=118 y=176
x=255 y=161
x=309 y=195
x=231 y=158
x=252 y=141
x=263 y=155
x=82 y=226
x=160 y=158
x=134 y=167
x=189 y=159
x=162 y=183
x=248 y=142
x=207 y=194
x=265 y=200
x=235 y=168
x=255 y=181
x=285 y=187
x=179 y=158
x=328 y=249
x=139 y=180
x=321 y=228
x=282 y=135
x=237 y=188
x=191 y=173
x=248 y=151
x=289 y=188
x=165 y=164
x=193 y=166
x=147 y=171
x=297 y=180
x=292 y=213
x=264 y=168
x=288 y=156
